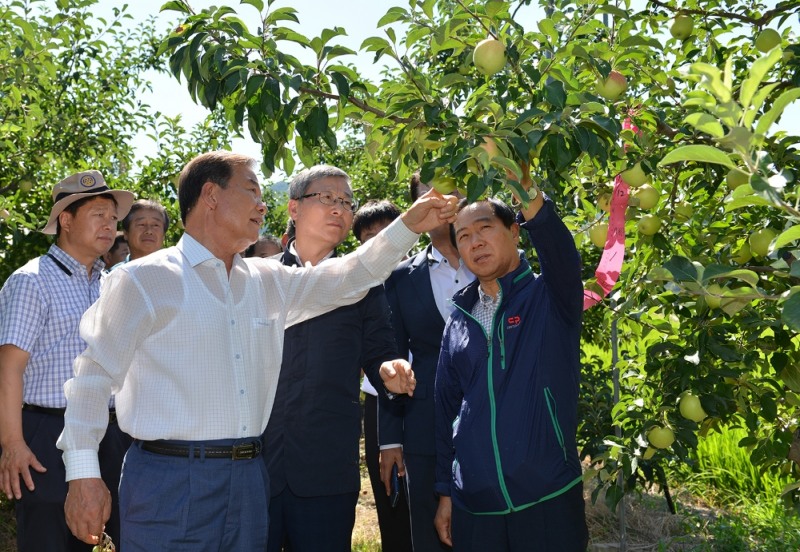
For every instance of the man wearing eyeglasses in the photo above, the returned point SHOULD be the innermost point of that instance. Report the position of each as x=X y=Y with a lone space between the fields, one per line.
x=311 y=442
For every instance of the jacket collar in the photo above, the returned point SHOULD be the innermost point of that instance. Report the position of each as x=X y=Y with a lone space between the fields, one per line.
x=510 y=284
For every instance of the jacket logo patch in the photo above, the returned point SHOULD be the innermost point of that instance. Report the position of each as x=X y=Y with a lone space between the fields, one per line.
x=512 y=322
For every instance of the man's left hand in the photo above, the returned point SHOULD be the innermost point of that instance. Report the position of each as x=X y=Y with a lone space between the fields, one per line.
x=398 y=377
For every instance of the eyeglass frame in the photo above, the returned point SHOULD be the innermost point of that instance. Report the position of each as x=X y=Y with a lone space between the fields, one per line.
x=340 y=200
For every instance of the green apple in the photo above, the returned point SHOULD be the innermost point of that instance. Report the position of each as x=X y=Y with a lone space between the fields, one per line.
x=713 y=299
x=682 y=27
x=647 y=196
x=25 y=186
x=683 y=211
x=612 y=87
x=489 y=56
x=736 y=178
x=598 y=234
x=604 y=202
x=444 y=184
x=691 y=409
x=744 y=254
x=760 y=241
x=661 y=437
x=648 y=225
x=767 y=40
x=634 y=176
x=649 y=453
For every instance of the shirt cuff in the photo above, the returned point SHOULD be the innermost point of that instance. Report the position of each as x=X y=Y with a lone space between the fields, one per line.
x=391 y=446
x=81 y=464
x=442 y=489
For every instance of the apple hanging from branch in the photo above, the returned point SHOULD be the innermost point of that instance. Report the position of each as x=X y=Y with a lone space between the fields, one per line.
x=682 y=27
x=612 y=87
x=489 y=56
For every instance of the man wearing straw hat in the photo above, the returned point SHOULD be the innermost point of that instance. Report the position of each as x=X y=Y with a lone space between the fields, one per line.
x=41 y=305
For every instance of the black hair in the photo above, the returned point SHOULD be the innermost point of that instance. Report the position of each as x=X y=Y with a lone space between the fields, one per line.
x=214 y=166
x=373 y=212
x=141 y=204
x=503 y=212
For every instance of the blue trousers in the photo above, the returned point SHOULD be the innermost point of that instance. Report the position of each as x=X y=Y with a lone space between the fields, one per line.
x=193 y=504
x=556 y=525
x=311 y=524
x=40 y=514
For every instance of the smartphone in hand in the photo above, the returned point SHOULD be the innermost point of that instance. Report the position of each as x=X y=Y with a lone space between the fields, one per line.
x=395 y=496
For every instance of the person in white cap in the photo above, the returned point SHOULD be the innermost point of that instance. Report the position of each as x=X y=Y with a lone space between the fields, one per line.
x=41 y=305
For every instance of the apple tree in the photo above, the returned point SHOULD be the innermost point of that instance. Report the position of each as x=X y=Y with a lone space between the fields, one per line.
x=591 y=101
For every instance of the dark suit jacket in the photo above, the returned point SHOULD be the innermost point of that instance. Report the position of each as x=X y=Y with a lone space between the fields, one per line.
x=311 y=441
x=418 y=327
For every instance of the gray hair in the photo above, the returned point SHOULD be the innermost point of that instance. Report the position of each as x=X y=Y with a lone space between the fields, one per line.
x=306 y=177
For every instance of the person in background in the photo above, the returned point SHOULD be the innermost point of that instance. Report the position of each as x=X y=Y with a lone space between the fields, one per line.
x=41 y=305
x=419 y=292
x=312 y=440
x=508 y=473
x=190 y=338
x=393 y=520
x=144 y=228
x=118 y=252
x=265 y=246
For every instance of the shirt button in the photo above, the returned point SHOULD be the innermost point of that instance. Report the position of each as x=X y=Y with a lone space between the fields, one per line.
x=244 y=428
x=238 y=356
x=241 y=391
x=233 y=322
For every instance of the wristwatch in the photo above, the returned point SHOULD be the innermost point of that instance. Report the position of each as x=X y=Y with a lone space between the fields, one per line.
x=533 y=192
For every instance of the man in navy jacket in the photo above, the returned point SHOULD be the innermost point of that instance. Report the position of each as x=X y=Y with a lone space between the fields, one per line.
x=508 y=472
x=311 y=444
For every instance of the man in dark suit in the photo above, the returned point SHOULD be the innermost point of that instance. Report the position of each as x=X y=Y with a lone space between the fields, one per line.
x=311 y=443
x=418 y=291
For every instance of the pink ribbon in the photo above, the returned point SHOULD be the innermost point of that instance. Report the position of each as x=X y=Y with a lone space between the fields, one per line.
x=608 y=270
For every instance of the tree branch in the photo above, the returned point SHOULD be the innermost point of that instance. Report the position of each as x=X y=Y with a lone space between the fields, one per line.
x=768 y=16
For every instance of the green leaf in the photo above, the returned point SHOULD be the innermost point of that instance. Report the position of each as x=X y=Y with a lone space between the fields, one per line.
x=774 y=114
x=257 y=4
x=794 y=272
x=554 y=94
x=281 y=14
x=705 y=123
x=791 y=377
x=787 y=236
x=395 y=13
x=791 y=312
x=713 y=80
x=757 y=73
x=698 y=153
x=681 y=269
x=548 y=28
x=720 y=271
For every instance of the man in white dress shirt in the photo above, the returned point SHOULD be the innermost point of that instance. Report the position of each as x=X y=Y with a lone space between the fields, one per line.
x=190 y=339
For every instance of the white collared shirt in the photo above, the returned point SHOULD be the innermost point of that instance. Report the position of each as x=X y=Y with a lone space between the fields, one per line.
x=193 y=353
x=446 y=280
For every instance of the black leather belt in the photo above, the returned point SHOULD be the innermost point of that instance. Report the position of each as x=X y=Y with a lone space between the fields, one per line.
x=112 y=414
x=244 y=451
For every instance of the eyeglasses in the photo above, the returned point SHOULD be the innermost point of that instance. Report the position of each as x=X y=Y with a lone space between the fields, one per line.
x=327 y=198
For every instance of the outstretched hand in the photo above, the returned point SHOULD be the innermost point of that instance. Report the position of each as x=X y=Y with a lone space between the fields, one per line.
x=398 y=377
x=430 y=211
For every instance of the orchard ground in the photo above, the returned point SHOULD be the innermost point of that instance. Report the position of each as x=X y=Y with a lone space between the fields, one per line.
x=648 y=524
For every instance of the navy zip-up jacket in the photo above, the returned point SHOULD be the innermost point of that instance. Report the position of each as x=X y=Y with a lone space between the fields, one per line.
x=506 y=404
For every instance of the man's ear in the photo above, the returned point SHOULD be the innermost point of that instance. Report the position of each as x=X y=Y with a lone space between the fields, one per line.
x=292 y=207
x=208 y=194
x=515 y=231
x=65 y=220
